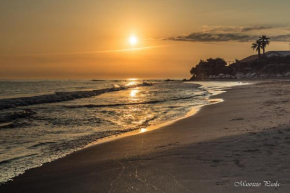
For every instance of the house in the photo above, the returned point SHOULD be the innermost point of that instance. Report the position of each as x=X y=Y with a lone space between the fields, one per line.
x=268 y=54
x=278 y=53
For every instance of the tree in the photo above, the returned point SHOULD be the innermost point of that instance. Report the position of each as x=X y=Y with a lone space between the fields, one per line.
x=257 y=46
x=208 y=67
x=264 y=42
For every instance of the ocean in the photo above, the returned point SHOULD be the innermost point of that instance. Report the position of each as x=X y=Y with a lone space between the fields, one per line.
x=41 y=121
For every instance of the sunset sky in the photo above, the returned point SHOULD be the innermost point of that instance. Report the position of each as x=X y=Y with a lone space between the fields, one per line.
x=90 y=39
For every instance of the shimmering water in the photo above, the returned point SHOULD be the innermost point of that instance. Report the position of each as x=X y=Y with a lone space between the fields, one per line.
x=56 y=118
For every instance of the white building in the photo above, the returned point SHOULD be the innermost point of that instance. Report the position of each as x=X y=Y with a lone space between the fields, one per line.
x=268 y=54
x=278 y=53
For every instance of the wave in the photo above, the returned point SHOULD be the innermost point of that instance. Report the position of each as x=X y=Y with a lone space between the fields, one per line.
x=16 y=115
x=41 y=144
x=16 y=158
x=127 y=104
x=60 y=96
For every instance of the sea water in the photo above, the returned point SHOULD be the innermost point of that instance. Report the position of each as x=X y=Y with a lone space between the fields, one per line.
x=41 y=121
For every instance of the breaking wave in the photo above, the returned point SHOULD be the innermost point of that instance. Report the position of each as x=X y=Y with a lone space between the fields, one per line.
x=60 y=96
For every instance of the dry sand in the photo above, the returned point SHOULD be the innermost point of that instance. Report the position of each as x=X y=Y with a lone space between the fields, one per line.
x=244 y=138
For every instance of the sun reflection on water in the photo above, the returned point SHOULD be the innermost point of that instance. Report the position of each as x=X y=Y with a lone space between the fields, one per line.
x=142 y=130
x=131 y=83
x=133 y=92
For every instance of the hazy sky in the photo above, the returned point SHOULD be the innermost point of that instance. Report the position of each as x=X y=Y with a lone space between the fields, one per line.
x=88 y=39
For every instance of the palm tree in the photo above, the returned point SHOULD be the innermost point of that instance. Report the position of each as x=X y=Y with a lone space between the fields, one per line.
x=264 y=42
x=257 y=46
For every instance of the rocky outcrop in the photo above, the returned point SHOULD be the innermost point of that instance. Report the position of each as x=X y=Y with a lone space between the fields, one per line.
x=244 y=76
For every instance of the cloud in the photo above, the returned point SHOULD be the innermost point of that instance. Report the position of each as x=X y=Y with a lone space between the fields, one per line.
x=247 y=29
x=212 y=37
x=234 y=33
x=282 y=38
x=233 y=29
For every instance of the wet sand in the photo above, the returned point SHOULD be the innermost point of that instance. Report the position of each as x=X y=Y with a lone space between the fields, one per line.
x=244 y=138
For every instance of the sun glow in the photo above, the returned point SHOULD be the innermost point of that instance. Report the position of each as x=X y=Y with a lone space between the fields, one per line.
x=133 y=93
x=133 y=40
x=142 y=130
x=131 y=83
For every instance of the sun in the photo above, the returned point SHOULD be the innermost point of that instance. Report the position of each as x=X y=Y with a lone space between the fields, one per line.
x=133 y=40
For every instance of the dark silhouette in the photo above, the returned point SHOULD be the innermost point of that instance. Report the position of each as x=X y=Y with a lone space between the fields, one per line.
x=257 y=46
x=272 y=64
x=209 y=67
x=266 y=67
x=264 y=42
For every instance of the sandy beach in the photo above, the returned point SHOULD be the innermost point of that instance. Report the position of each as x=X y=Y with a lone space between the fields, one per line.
x=222 y=148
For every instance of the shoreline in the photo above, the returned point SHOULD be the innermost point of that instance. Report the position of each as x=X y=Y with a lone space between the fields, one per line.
x=106 y=139
x=212 y=100
x=219 y=145
x=192 y=112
